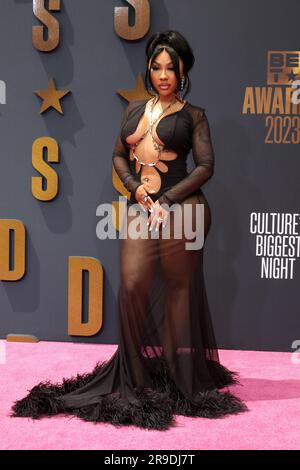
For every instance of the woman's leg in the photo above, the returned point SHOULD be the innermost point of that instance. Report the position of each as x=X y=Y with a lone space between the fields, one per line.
x=180 y=268
x=138 y=260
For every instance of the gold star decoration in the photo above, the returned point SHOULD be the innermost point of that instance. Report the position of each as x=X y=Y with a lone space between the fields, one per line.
x=51 y=97
x=138 y=93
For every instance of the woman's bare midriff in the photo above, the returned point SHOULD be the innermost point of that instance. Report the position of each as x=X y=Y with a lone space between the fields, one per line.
x=146 y=152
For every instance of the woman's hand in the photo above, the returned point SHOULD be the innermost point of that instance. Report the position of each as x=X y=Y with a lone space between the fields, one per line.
x=142 y=197
x=158 y=216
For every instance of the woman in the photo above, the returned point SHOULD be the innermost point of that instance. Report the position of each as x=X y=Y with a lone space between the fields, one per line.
x=167 y=360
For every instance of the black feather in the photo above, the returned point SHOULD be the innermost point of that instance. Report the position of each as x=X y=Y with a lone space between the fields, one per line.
x=153 y=408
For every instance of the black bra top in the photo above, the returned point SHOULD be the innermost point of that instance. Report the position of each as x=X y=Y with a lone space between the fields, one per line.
x=174 y=130
x=180 y=131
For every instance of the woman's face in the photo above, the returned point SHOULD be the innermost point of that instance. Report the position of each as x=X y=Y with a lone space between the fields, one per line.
x=163 y=76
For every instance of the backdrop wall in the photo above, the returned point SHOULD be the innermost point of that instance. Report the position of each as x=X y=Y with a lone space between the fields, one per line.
x=257 y=168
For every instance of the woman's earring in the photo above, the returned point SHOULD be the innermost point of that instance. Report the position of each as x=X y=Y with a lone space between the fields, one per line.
x=182 y=83
x=150 y=88
x=181 y=88
x=152 y=91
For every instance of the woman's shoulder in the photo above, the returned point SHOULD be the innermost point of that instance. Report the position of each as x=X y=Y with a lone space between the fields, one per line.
x=196 y=110
x=134 y=104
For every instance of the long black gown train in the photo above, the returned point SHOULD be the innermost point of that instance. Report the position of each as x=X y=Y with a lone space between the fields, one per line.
x=167 y=361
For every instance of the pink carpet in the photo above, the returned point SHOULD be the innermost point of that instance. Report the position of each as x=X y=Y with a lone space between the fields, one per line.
x=270 y=386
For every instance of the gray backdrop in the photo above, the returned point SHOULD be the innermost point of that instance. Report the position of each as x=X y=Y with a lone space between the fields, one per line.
x=230 y=39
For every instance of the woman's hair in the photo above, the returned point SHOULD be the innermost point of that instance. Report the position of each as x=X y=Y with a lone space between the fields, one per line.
x=178 y=47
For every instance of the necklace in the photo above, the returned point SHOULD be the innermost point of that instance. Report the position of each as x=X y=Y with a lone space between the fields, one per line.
x=152 y=121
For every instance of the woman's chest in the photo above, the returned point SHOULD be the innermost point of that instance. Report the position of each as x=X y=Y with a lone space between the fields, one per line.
x=172 y=132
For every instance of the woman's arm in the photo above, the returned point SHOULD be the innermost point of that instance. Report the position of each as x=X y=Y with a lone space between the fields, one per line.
x=120 y=159
x=203 y=155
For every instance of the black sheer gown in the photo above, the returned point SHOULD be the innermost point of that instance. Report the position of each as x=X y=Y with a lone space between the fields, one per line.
x=167 y=361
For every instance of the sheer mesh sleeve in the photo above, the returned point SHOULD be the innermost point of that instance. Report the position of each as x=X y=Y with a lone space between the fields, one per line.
x=203 y=155
x=120 y=159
